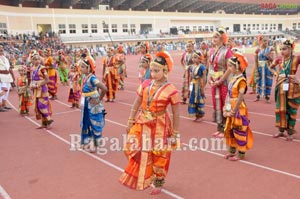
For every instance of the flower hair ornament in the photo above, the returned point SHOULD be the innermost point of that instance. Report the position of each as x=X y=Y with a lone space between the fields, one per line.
x=120 y=49
x=190 y=43
x=198 y=54
x=260 y=38
x=221 y=31
x=22 y=68
x=163 y=60
x=239 y=61
x=110 y=49
x=289 y=43
x=34 y=54
x=145 y=44
x=47 y=50
x=86 y=63
x=147 y=58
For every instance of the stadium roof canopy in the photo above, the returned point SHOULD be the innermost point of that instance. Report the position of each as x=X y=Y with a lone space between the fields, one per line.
x=206 y=6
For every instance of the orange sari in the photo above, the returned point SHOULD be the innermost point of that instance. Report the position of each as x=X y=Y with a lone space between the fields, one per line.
x=149 y=156
x=111 y=77
x=52 y=85
x=237 y=131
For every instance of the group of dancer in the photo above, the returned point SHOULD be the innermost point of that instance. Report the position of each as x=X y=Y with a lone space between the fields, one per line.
x=221 y=66
x=41 y=70
x=224 y=69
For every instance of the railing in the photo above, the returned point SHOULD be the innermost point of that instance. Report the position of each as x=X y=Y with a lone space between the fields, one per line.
x=137 y=37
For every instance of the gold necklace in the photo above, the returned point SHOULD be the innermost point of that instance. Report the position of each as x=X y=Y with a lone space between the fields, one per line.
x=287 y=59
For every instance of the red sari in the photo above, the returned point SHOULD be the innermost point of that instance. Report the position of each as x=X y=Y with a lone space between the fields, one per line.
x=218 y=66
x=24 y=94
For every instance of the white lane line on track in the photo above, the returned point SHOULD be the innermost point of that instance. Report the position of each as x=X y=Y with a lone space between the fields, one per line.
x=254 y=113
x=212 y=123
x=87 y=153
x=245 y=162
x=3 y=193
x=252 y=164
x=59 y=113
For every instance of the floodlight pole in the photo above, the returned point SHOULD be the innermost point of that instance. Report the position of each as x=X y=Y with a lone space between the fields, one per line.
x=103 y=23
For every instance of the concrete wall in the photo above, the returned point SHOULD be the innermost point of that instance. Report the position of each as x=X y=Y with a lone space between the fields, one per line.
x=25 y=20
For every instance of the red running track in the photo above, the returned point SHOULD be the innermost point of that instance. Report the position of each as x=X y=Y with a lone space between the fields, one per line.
x=39 y=164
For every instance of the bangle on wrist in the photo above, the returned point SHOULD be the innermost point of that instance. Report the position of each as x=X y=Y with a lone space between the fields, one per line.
x=131 y=120
x=175 y=134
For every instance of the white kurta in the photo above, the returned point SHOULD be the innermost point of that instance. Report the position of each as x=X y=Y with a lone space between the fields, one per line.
x=4 y=65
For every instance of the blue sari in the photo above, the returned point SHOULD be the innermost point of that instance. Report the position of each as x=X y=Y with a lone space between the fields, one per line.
x=147 y=75
x=92 y=116
x=264 y=88
x=196 y=100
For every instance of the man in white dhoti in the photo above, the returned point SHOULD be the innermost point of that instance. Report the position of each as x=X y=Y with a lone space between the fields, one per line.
x=5 y=80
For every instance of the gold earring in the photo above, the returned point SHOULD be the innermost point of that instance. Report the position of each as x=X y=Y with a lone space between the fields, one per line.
x=165 y=74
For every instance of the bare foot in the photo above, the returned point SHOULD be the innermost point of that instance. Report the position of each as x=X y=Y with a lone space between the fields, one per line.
x=41 y=127
x=197 y=119
x=220 y=135
x=229 y=155
x=90 y=148
x=289 y=138
x=155 y=191
x=277 y=135
x=235 y=158
x=215 y=134
x=49 y=127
